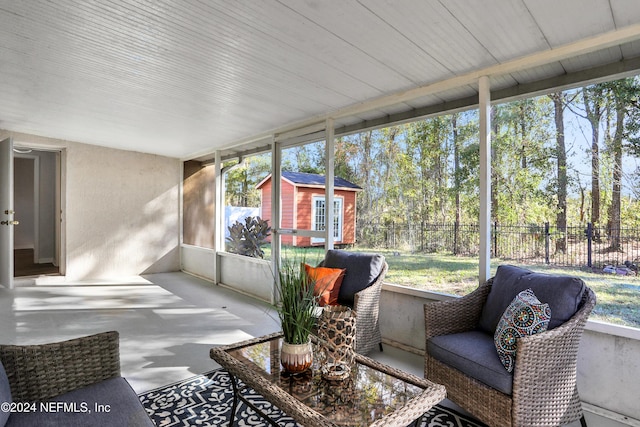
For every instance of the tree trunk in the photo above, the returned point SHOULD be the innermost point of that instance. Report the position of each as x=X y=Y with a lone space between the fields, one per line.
x=582 y=197
x=494 y=172
x=594 y=113
x=561 y=154
x=614 y=209
x=523 y=130
x=522 y=213
x=456 y=180
x=368 y=161
x=245 y=189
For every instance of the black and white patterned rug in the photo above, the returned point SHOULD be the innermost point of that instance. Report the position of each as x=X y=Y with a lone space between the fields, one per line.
x=205 y=400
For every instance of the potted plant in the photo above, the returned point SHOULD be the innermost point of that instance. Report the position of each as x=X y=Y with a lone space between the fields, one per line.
x=296 y=306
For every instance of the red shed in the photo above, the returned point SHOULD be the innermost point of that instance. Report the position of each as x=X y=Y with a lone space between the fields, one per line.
x=303 y=206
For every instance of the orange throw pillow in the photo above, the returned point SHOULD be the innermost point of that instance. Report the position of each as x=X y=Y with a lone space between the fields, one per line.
x=327 y=283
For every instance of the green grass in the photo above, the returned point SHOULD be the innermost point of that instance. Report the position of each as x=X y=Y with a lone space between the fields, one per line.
x=618 y=296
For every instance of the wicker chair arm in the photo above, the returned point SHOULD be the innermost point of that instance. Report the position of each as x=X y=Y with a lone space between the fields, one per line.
x=456 y=315
x=369 y=297
x=40 y=372
x=366 y=304
x=549 y=359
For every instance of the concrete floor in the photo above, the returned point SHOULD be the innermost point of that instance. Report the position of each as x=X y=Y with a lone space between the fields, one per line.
x=167 y=323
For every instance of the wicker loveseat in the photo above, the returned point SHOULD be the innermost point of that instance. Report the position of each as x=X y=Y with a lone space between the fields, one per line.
x=360 y=290
x=70 y=383
x=462 y=356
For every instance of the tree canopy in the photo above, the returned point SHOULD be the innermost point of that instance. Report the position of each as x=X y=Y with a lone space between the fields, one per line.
x=568 y=157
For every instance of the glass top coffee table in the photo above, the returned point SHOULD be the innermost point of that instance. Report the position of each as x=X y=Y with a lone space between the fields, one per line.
x=373 y=395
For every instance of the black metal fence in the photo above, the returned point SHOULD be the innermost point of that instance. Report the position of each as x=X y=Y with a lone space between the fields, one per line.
x=575 y=246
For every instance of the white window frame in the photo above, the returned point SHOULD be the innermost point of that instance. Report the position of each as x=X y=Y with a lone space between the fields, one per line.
x=338 y=205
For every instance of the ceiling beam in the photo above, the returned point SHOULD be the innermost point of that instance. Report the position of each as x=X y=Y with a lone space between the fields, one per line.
x=594 y=75
x=584 y=46
x=570 y=50
x=608 y=72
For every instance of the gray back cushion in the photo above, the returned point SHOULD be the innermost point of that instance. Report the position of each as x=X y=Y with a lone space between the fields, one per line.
x=362 y=270
x=5 y=395
x=562 y=293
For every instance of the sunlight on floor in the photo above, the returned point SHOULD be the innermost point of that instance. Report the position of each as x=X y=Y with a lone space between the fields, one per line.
x=96 y=297
x=167 y=322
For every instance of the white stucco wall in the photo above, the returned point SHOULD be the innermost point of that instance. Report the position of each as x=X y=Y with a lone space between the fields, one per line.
x=122 y=212
x=121 y=209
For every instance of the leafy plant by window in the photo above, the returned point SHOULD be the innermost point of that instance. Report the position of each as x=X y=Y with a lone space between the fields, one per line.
x=247 y=239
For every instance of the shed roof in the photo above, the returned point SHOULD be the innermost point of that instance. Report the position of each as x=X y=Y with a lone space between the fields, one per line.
x=303 y=179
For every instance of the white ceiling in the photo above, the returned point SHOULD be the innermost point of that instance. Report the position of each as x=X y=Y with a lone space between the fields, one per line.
x=183 y=78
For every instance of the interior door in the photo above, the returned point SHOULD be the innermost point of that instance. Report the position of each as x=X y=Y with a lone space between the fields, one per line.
x=6 y=213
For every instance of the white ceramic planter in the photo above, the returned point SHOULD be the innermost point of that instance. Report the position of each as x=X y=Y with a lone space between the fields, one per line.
x=296 y=358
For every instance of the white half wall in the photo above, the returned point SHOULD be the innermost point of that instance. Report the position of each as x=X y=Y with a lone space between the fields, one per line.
x=251 y=276
x=609 y=368
x=199 y=261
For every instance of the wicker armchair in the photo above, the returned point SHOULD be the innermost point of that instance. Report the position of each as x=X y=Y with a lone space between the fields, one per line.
x=40 y=372
x=365 y=302
x=544 y=391
x=81 y=373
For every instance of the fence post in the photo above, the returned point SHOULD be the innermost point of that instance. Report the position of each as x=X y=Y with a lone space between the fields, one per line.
x=546 y=242
x=589 y=240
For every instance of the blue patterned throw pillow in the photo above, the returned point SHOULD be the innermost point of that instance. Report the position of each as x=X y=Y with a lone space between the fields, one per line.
x=526 y=315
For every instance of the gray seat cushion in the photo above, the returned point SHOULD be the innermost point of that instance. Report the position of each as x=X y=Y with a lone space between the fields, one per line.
x=362 y=271
x=123 y=403
x=473 y=353
x=562 y=293
x=5 y=394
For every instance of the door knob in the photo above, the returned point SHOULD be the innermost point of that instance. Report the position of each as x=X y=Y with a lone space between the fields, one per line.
x=9 y=212
x=9 y=222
